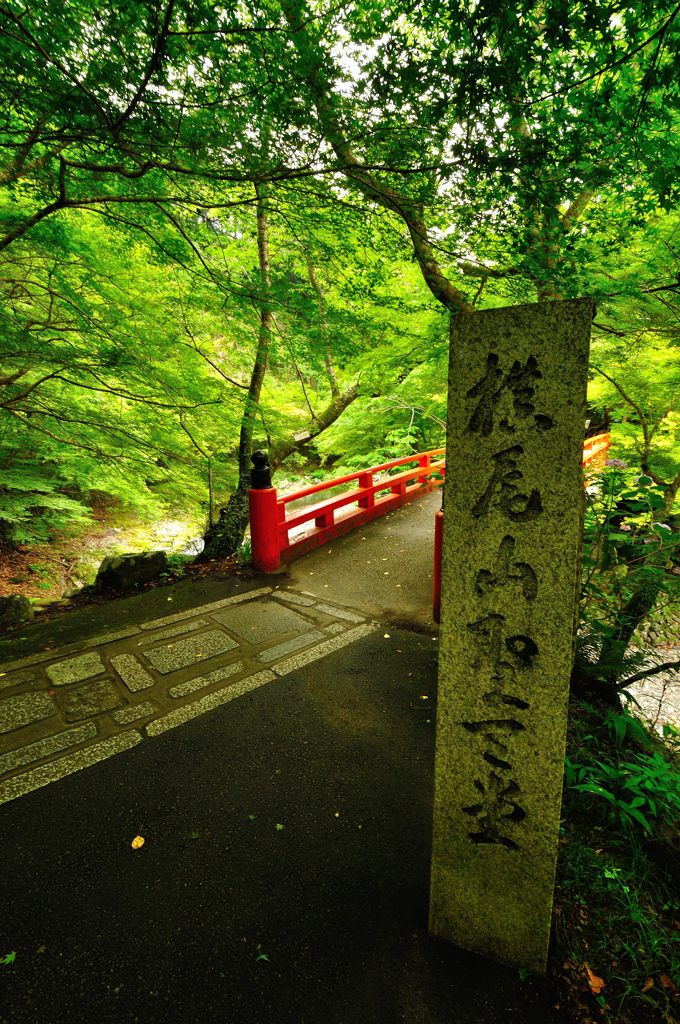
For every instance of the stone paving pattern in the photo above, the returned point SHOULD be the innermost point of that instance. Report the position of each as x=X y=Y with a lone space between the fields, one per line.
x=61 y=711
x=64 y=710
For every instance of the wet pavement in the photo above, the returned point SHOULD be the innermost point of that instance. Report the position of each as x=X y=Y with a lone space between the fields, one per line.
x=64 y=710
x=273 y=743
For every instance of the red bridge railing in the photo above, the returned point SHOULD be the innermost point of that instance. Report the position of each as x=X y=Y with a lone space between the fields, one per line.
x=595 y=451
x=279 y=533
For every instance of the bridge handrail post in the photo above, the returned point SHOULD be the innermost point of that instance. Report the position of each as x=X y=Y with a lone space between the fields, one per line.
x=425 y=461
x=437 y=569
x=366 y=481
x=264 y=516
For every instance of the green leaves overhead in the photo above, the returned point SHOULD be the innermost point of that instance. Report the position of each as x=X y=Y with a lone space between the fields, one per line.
x=497 y=153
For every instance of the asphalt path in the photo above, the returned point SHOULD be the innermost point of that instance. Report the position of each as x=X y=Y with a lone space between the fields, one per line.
x=384 y=568
x=283 y=877
x=284 y=871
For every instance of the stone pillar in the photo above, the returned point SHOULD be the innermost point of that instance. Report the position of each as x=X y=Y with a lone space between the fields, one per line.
x=511 y=566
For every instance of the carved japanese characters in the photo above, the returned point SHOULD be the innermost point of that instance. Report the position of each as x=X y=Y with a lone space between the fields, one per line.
x=511 y=550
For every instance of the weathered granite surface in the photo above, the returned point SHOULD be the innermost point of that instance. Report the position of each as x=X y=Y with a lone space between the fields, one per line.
x=261 y=620
x=121 y=572
x=84 y=666
x=510 y=568
x=89 y=699
x=25 y=709
x=190 y=650
x=131 y=672
x=49 y=745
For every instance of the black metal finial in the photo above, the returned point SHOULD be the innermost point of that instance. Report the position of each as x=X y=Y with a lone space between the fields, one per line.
x=261 y=473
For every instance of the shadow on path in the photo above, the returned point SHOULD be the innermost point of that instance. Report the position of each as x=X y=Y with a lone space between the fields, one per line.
x=384 y=568
x=224 y=917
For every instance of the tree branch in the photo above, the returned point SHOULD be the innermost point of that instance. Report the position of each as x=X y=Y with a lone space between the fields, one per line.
x=152 y=67
x=665 y=667
x=329 y=415
x=409 y=210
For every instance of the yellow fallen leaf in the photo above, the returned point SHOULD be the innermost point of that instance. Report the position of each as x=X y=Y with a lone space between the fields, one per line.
x=386 y=635
x=667 y=982
x=137 y=843
x=596 y=984
x=648 y=984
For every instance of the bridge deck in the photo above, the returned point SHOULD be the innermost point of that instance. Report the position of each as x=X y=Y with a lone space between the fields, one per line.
x=384 y=568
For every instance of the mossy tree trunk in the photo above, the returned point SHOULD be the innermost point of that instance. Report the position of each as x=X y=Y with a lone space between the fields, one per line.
x=224 y=537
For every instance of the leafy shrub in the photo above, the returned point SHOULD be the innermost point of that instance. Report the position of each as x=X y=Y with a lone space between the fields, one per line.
x=245 y=552
x=637 y=791
x=32 y=507
x=629 y=557
x=633 y=776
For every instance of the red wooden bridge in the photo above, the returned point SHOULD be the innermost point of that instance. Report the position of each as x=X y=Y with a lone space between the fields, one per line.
x=282 y=531
x=279 y=532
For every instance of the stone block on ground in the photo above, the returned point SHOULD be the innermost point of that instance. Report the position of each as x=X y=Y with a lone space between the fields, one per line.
x=122 y=572
x=260 y=621
x=25 y=709
x=14 y=610
x=90 y=699
x=72 y=670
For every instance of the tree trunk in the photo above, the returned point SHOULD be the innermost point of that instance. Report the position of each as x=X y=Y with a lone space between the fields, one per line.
x=224 y=537
x=328 y=357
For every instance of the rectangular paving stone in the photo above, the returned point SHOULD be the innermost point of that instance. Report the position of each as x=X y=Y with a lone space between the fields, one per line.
x=132 y=673
x=288 y=595
x=261 y=621
x=89 y=699
x=74 y=648
x=7 y=681
x=327 y=647
x=190 y=650
x=288 y=646
x=206 y=609
x=340 y=613
x=63 y=766
x=134 y=712
x=74 y=669
x=108 y=638
x=182 y=627
x=514 y=496
x=200 y=682
x=208 y=703
x=25 y=709
x=43 y=748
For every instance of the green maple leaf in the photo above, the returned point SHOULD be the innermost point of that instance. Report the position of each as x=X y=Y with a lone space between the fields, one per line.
x=279 y=827
x=9 y=958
